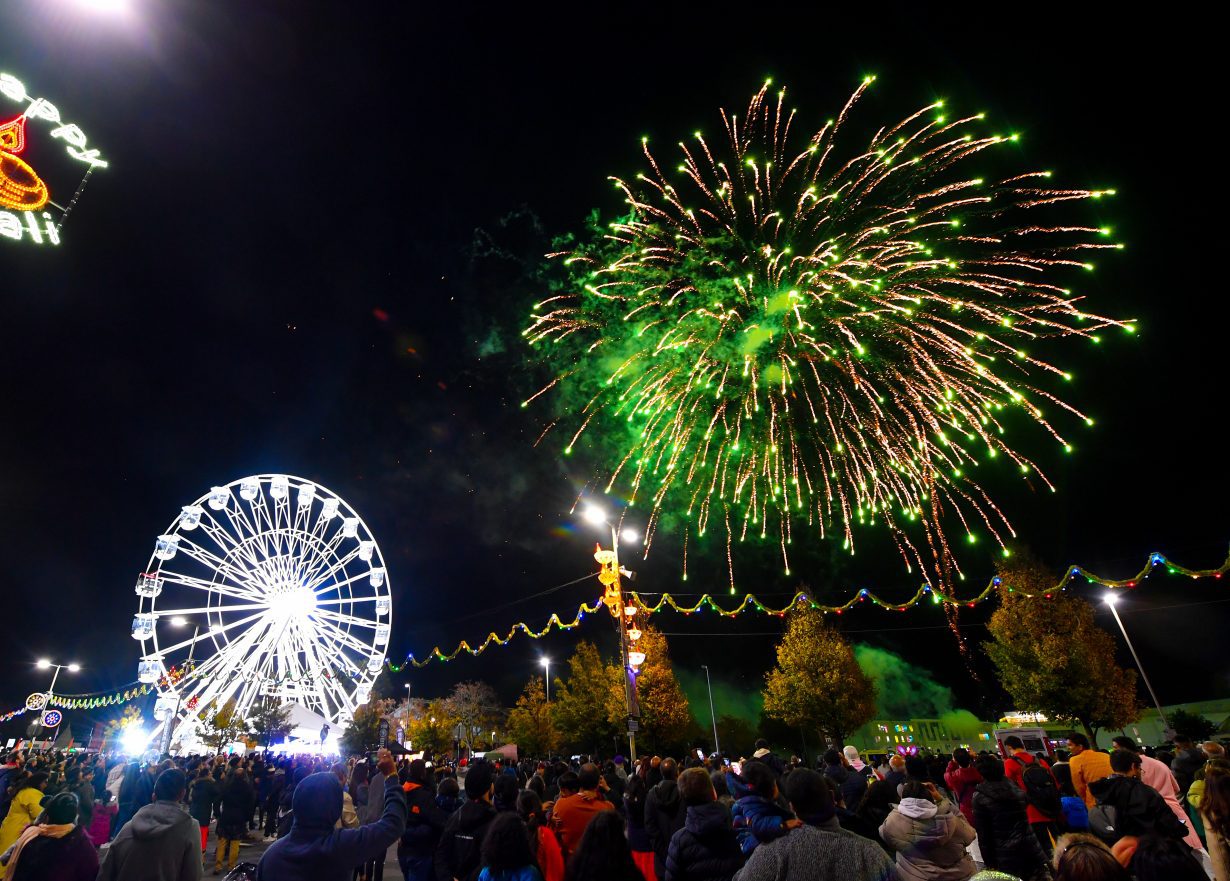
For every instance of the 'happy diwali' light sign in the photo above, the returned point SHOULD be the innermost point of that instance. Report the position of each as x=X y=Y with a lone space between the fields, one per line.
x=26 y=204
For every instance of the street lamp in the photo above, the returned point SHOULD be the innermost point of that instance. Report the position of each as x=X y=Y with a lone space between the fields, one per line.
x=1112 y=600
x=546 y=665
x=713 y=716
x=169 y=726
x=614 y=598
x=46 y=664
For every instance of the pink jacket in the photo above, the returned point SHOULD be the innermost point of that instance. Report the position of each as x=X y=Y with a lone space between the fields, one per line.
x=1155 y=774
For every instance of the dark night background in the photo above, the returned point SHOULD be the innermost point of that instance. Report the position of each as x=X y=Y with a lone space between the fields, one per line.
x=310 y=255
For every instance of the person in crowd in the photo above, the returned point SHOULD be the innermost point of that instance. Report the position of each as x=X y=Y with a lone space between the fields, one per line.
x=877 y=803
x=83 y=786
x=852 y=756
x=373 y=870
x=350 y=817
x=56 y=848
x=202 y=795
x=314 y=849
x=506 y=852
x=448 y=796
x=603 y=854
x=459 y=853
x=764 y=754
x=1214 y=811
x=929 y=835
x=544 y=845
x=161 y=842
x=664 y=814
x=1005 y=838
x=896 y=772
x=819 y=850
x=1213 y=750
x=538 y=781
x=1081 y=857
x=10 y=771
x=24 y=807
x=1187 y=760
x=235 y=809
x=757 y=816
x=635 y=794
x=706 y=848
x=1158 y=858
x=1075 y=817
x=424 y=825
x=105 y=810
x=572 y=813
x=1137 y=809
x=1042 y=800
x=1157 y=775
x=505 y=797
x=1087 y=765
x=961 y=778
x=277 y=787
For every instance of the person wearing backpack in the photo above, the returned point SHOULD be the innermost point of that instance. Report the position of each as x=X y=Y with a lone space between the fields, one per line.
x=1126 y=806
x=1043 y=803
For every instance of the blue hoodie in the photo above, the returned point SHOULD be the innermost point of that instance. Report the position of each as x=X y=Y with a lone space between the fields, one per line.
x=316 y=851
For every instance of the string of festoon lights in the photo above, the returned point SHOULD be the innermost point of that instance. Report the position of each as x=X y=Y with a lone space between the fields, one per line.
x=639 y=604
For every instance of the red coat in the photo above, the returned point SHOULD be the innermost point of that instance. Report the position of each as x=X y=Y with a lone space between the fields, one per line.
x=962 y=782
x=1014 y=770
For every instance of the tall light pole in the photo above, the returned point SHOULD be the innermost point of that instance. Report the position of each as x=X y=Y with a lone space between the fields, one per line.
x=610 y=577
x=45 y=664
x=712 y=715
x=546 y=665
x=1112 y=600
x=169 y=726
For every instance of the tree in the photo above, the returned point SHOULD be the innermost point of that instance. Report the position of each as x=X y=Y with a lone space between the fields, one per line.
x=116 y=727
x=1192 y=725
x=476 y=708
x=584 y=698
x=221 y=725
x=817 y=684
x=363 y=731
x=530 y=725
x=736 y=736
x=270 y=722
x=665 y=717
x=1052 y=657
x=432 y=726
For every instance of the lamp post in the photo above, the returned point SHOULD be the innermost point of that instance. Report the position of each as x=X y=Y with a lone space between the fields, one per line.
x=168 y=729
x=610 y=577
x=546 y=665
x=712 y=715
x=45 y=664
x=1112 y=600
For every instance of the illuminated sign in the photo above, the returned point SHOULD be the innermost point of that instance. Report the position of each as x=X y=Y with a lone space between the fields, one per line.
x=28 y=211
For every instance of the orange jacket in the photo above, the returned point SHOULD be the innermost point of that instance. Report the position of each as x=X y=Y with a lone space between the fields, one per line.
x=1089 y=766
x=572 y=814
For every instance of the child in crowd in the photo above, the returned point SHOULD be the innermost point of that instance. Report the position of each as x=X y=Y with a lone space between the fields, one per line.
x=105 y=809
x=757 y=816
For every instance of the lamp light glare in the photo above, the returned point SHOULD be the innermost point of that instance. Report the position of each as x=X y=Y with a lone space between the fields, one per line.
x=1111 y=599
x=179 y=621
x=631 y=536
x=546 y=662
x=43 y=663
x=74 y=668
x=134 y=740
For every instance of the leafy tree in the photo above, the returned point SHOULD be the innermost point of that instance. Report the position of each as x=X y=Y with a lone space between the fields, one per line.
x=269 y=722
x=432 y=727
x=1193 y=725
x=817 y=684
x=530 y=725
x=363 y=731
x=476 y=708
x=583 y=700
x=665 y=717
x=221 y=725
x=116 y=727
x=1052 y=657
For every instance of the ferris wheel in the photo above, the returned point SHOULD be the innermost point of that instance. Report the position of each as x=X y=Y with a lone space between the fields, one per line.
x=270 y=587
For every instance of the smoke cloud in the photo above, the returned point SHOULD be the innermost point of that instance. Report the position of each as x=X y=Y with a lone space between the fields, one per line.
x=905 y=690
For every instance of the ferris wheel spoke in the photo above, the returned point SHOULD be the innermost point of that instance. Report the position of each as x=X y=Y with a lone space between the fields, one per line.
x=332 y=631
x=312 y=576
x=336 y=585
x=241 y=593
x=241 y=523
x=202 y=637
x=201 y=610
x=223 y=538
x=339 y=618
x=228 y=570
x=341 y=601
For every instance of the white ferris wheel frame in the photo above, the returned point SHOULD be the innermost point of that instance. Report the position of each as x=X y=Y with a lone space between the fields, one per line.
x=284 y=583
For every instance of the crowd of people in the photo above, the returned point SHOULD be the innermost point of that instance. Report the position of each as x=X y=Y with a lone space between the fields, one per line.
x=1129 y=813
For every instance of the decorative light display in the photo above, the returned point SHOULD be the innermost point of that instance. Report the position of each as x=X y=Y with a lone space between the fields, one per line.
x=288 y=600
x=23 y=191
x=804 y=331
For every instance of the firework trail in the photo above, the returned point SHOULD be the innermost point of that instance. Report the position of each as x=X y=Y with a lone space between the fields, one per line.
x=802 y=335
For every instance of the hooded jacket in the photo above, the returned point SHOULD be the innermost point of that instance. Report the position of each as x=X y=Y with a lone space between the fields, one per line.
x=1138 y=808
x=160 y=843
x=961 y=782
x=1007 y=842
x=705 y=849
x=458 y=854
x=930 y=841
x=424 y=823
x=313 y=850
x=664 y=816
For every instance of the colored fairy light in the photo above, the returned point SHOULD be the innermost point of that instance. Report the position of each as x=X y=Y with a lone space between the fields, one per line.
x=792 y=330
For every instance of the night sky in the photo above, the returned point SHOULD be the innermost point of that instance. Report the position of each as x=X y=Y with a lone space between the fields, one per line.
x=313 y=254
